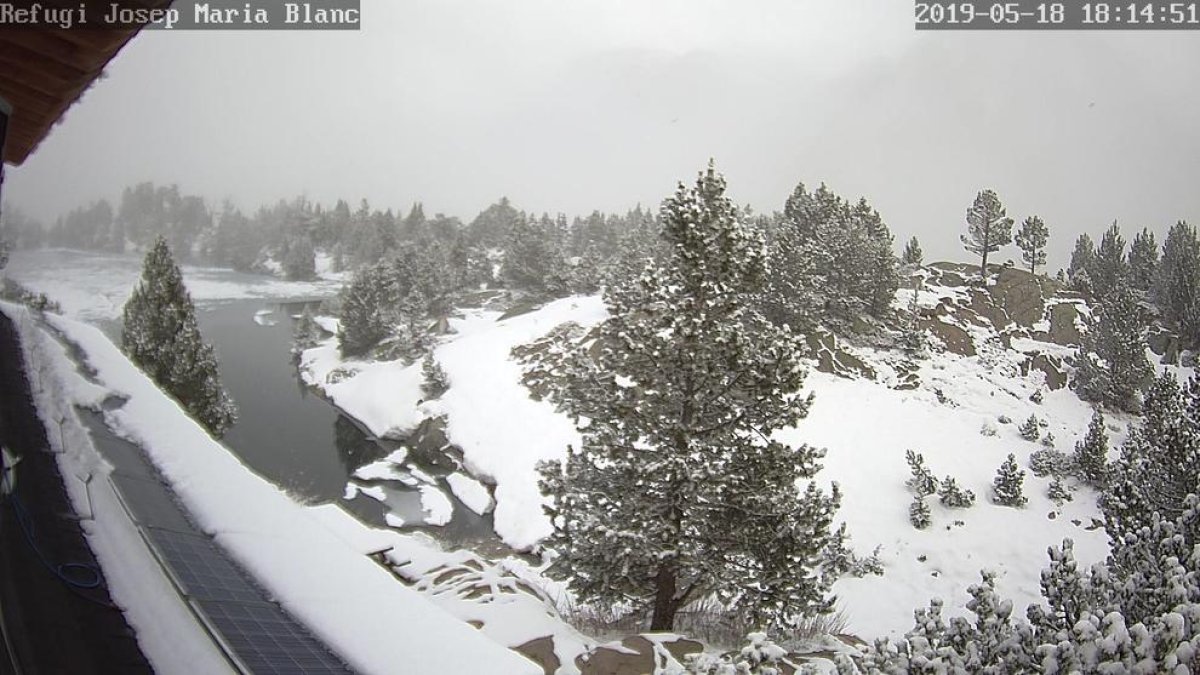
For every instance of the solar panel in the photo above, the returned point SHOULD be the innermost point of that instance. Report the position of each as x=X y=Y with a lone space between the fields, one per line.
x=267 y=640
x=203 y=571
x=255 y=632
x=150 y=503
x=126 y=457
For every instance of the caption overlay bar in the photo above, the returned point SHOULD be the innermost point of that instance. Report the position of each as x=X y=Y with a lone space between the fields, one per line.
x=1066 y=15
x=181 y=15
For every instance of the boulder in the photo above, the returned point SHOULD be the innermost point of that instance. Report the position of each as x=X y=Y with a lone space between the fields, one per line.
x=956 y=340
x=1052 y=366
x=984 y=308
x=632 y=656
x=1063 y=330
x=1022 y=295
x=541 y=652
x=1164 y=343
x=834 y=359
x=951 y=274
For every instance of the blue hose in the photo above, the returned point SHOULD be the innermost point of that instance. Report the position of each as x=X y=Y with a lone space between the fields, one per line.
x=73 y=574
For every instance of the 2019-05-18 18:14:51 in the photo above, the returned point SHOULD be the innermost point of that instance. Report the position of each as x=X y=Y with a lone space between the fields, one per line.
x=1000 y=13
x=1144 y=14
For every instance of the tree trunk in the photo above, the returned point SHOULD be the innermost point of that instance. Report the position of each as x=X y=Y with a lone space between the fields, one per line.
x=665 y=603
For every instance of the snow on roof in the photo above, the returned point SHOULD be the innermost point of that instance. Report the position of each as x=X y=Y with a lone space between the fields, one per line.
x=356 y=606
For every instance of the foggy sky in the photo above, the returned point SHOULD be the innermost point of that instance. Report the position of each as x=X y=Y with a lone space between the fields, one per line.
x=574 y=105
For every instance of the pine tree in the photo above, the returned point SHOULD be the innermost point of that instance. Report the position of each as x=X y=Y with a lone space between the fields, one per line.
x=831 y=262
x=1143 y=260
x=435 y=382
x=1058 y=492
x=1176 y=288
x=299 y=259
x=1111 y=367
x=307 y=333
x=1008 y=485
x=1137 y=612
x=1031 y=429
x=951 y=495
x=922 y=482
x=1083 y=261
x=1031 y=239
x=1157 y=468
x=913 y=339
x=988 y=228
x=534 y=256
x=918 y=513
x=1091 y=453
x=912 y=253
x=365 y=318
x=679 y=490
x=161 y=336
x=1047 y=461
x=1110 y=269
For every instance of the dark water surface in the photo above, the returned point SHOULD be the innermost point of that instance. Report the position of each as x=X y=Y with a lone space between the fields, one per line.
x=303 y=443
x=283 y=431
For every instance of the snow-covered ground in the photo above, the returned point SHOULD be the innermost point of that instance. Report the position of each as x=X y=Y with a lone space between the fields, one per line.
x=503 y=432
x=311 y=559
x=865 y=426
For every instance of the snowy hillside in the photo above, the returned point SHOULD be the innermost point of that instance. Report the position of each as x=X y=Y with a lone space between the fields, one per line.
x=992 y=355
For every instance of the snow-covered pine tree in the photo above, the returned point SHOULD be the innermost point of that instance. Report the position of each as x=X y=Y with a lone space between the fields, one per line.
x=882 y=277
x=1030 y=429
x=1111 y=366
x=161 y=336
x=434 y=380
x=533 y=256
x=953 y=496
x=1137 y=612
x=912 y=256
x=1008 y=485
x=913 y=339
x=1110 y=269
x=1049 y=462
x=1067 y=590
x=918 y=513
x=1031 y=239
x=469 y=265
x=679 y=491
x=1083 y=260
x=1143 y=260
x=299 y=259
x=1058 y=492
x=831 y=262
x=988 y=228
x=307 y=333
x=922 y=482
x=1157 y=467
x=365 y=319
x=1176 y=288
x=1091 y=453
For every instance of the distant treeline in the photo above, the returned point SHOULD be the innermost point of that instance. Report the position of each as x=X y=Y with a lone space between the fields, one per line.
x=290 y=232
